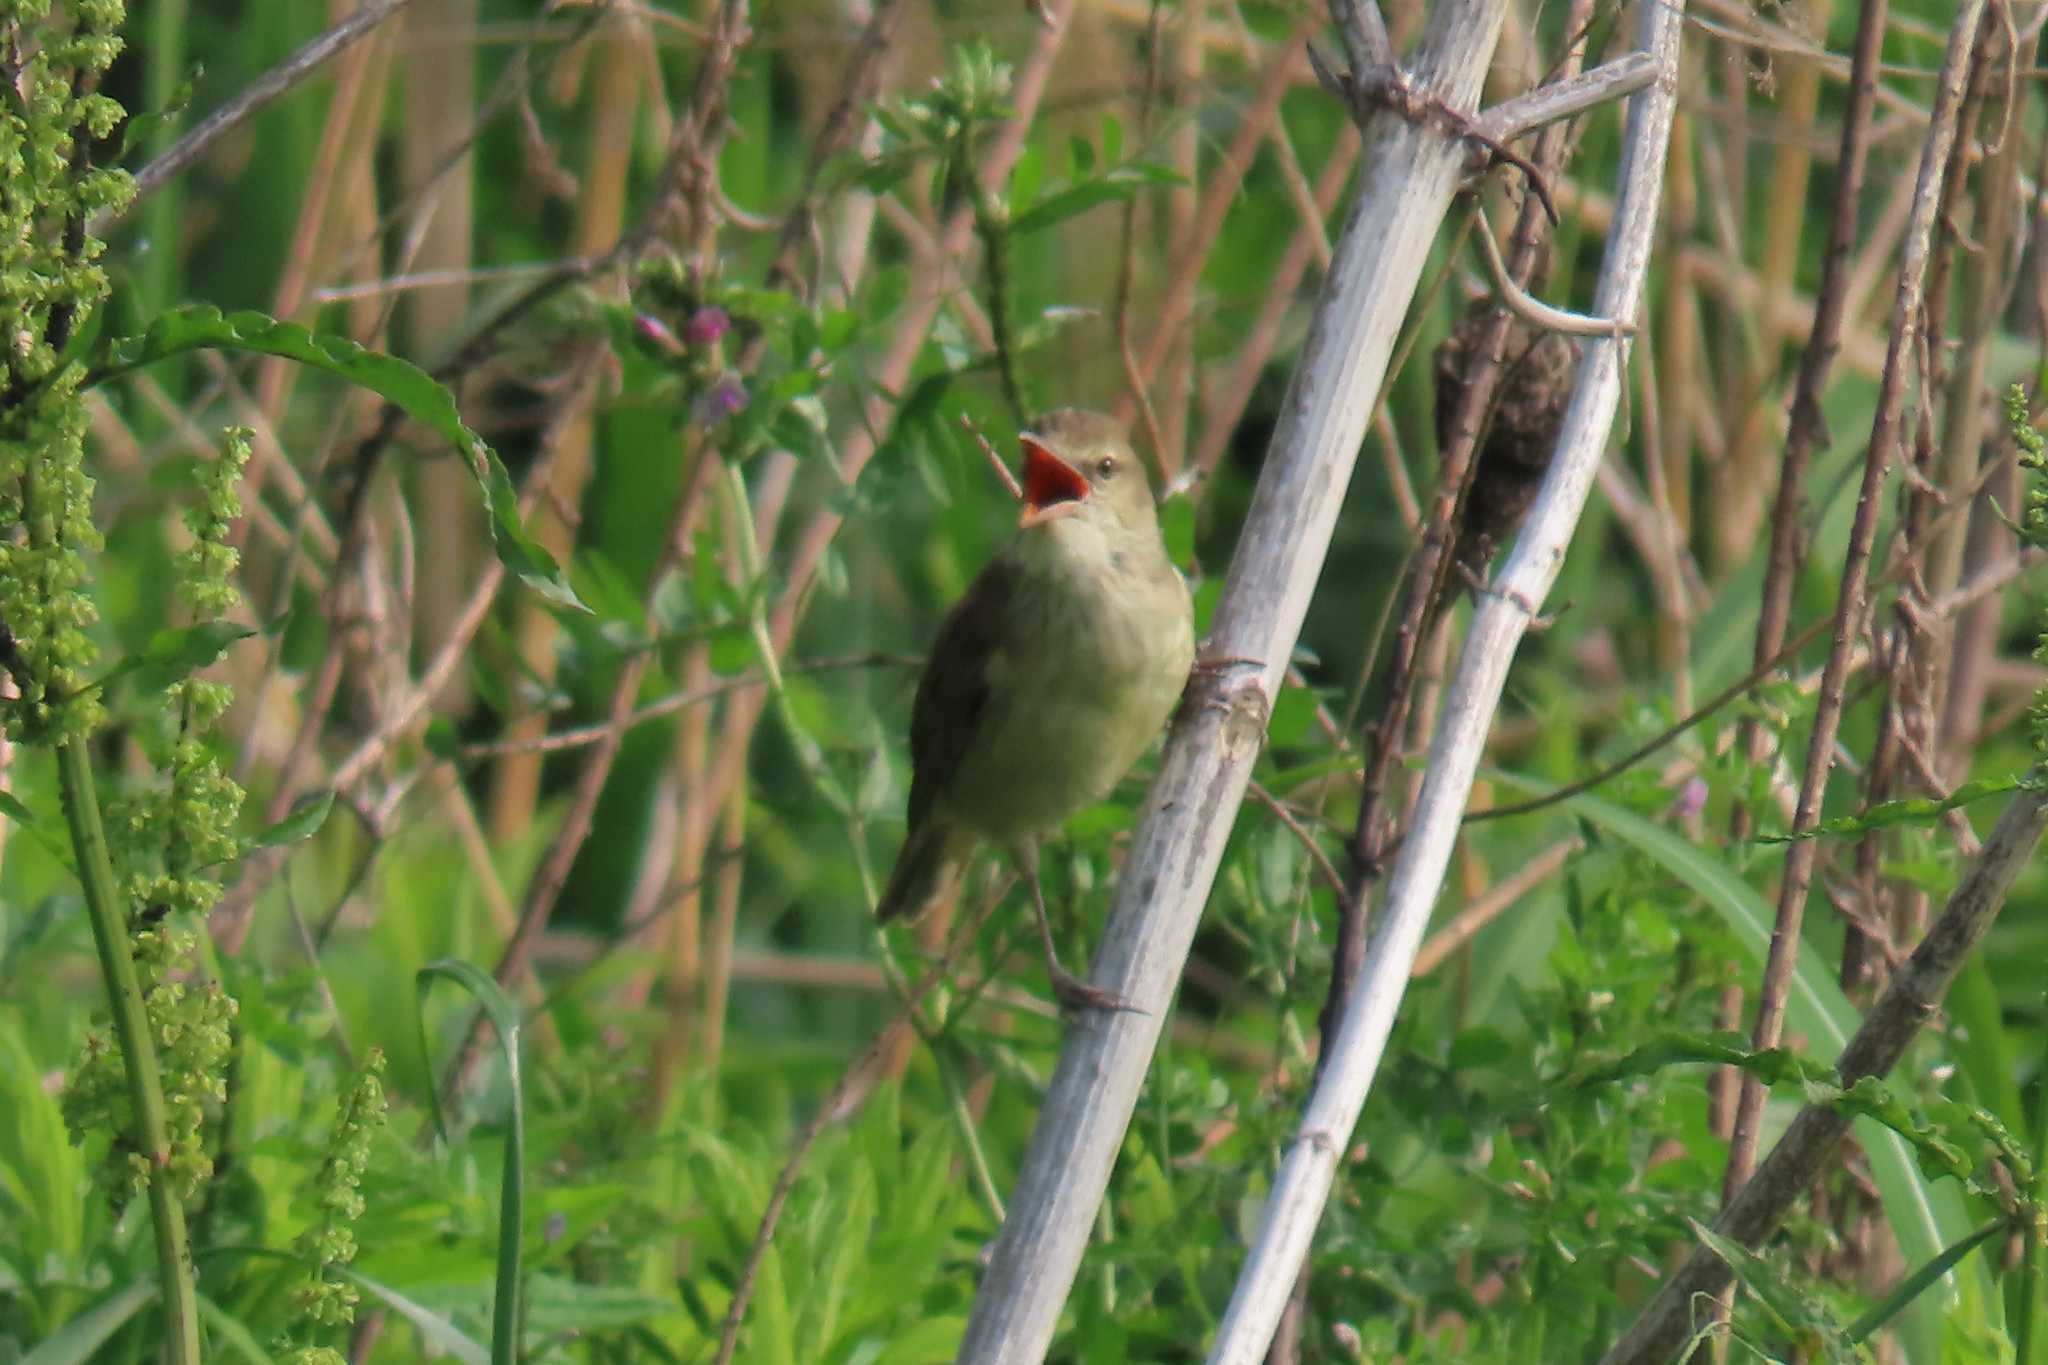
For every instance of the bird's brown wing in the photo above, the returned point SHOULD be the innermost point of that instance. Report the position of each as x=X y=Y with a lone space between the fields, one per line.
x=954 y=690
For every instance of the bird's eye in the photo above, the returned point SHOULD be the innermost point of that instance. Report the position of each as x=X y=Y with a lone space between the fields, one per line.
x=1105 y=467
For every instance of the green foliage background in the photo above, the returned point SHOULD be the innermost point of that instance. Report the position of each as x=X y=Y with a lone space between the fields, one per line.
x=1499 y=1204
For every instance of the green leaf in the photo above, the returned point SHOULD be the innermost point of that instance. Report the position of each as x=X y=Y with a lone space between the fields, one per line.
x=442 y=740
x=173 y=654
x=78 y=1340
x=230 y=1331
x=1177 y=528
x=504 y=1015
x=15 y=811
x=1119 y=184
x=1919 y=810
x=1918 y=1282
x=1924 y=1216
x=1080 y=158
x=195 y=646
x=432 y=1327
x=305 y=820
x=399 y=382
x=558 y=1305
x=1025 y=180
x=1801 y=1315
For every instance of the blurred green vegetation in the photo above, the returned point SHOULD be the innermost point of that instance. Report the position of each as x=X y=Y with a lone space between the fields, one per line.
x=710 y=969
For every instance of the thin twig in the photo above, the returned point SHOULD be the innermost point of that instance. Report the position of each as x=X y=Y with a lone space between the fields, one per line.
x=1855 y=582
x=584 y=735
x=1484 y=909
x=258 y=95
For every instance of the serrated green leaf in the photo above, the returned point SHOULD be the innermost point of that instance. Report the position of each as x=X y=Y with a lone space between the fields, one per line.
x=1919 y=810
x=202 y=327
x=1924 y=1216
x=1800 y=1314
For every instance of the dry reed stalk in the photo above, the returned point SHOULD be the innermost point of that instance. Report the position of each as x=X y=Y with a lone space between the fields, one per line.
x=439 y=91
x=1675 y=333
x=1196 y=235
x=616 y=98
x=1185 y=149
x=1226 y=408
x=1963 y=649
x=1742 y=481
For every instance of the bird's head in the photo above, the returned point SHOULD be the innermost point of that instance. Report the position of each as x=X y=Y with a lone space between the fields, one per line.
x=1079 y=466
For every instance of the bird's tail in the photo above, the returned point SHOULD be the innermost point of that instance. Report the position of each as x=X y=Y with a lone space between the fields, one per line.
x=927 y=870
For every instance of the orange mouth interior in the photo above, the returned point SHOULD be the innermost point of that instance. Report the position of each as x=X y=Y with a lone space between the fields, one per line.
x=1052 y=487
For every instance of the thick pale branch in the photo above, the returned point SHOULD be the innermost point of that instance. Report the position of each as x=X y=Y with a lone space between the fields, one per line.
x=1303 y=1185
x=1412 y=170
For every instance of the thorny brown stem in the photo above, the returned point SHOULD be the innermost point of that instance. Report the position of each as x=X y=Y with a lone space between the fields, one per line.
x=1808 y=427
x=1914 y=652
x=1429 y=573
x=1853 y=601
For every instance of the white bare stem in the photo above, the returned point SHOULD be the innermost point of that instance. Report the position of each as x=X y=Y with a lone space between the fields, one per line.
x=1545 y=104
x=1411 y=171
x=1303 y=1186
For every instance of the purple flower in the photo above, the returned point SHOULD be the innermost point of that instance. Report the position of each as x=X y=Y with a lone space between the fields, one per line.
x=706 y=325
x=720 y=401
x=656 y=332
x=1692 y=799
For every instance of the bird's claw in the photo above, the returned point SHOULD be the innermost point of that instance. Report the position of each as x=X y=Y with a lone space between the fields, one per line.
x=1211 y=667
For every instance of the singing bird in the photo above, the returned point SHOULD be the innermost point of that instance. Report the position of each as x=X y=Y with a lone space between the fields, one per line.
x=1050 y=677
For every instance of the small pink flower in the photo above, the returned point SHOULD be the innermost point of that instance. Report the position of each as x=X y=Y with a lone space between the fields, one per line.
x=707 y=325
x=1692 y=799
x=656 y=332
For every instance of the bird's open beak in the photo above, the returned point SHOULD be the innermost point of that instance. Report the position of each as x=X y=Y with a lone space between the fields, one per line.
x=1052 y=487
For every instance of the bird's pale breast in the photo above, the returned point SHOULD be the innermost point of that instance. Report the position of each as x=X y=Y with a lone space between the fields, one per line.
x=1070 y=713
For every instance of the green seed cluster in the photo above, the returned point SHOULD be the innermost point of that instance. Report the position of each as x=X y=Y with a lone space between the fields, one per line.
x=336 y=1195
x=49 y=279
